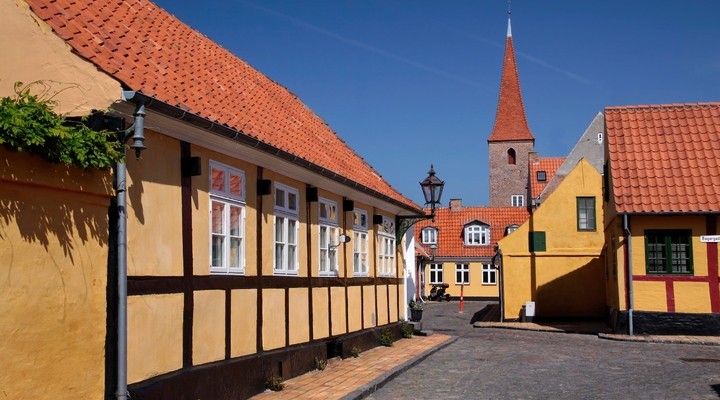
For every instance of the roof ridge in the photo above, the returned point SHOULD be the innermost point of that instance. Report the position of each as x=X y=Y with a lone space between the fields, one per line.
x=663 y=106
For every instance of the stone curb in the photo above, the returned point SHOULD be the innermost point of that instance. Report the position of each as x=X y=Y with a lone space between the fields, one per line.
x=377 y=383
x=656 y=339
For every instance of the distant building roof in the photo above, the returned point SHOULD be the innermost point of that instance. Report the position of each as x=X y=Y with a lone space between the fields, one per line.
x=665 y=158
x=151 y=51
x=450 y=222
x=510 y=120
x=542 y=170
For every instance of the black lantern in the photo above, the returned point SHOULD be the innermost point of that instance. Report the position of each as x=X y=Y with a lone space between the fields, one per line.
x=432 y=188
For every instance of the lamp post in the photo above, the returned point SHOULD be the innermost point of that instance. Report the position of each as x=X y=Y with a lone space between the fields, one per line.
x=432 y=188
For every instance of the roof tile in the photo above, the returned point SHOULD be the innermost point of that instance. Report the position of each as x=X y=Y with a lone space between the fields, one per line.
x=664 y=158
x=151 y=51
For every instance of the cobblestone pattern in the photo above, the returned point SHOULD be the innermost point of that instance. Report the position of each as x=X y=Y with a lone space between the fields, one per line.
x=487 y=363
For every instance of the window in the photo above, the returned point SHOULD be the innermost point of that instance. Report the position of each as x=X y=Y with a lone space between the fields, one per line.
x=436 y=274
x=360 y=239
x=517 y=200
x=386 y=255
x=329 y=237
x=227 y=219
x=536 y=241
x=510 y=229
x=668 y=251
x=429 y=236
x=477 y=235
x=462 y=274
x=600 y=137
x=511 y=156
x=586 y=213
x=541 y=176
x=489 y=274
x=286 y=229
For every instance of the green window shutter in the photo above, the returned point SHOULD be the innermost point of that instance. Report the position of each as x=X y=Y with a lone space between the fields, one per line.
x=536 y=241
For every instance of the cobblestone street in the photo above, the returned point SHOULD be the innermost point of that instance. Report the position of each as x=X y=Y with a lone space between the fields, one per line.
x=491 y=363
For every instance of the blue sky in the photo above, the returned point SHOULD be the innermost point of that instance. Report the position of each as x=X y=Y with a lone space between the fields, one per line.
x=410 y=83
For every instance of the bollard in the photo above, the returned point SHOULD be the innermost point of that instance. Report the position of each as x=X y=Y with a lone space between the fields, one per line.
x=461 y=298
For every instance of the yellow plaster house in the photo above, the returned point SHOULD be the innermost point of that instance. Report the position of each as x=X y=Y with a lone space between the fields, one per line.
x=554 y=259
x=238 y=266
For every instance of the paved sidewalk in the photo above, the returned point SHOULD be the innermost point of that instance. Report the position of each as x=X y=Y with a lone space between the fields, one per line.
x=602 y=332
x=354 y=378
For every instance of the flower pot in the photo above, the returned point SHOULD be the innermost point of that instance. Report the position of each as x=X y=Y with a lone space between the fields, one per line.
x=416 y=315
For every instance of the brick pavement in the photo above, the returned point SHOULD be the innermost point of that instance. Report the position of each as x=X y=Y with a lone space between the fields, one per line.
x=517 y=360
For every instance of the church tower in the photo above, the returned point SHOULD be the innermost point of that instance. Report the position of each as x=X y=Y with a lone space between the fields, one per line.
x=511 y=142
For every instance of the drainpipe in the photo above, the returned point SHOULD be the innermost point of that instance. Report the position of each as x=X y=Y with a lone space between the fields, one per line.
x=497 y=258
x=628 y=264
x=137 y=132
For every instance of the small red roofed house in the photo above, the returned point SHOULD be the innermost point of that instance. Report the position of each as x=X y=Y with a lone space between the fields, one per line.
x=662 y=201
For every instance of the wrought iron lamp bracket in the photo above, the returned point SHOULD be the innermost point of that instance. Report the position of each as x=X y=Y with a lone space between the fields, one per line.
x=404 y=222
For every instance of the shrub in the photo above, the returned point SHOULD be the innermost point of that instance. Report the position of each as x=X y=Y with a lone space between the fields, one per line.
x=386 y=337
x=274 y=383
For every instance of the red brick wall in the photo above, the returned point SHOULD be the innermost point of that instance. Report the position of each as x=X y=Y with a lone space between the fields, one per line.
x=508 y=179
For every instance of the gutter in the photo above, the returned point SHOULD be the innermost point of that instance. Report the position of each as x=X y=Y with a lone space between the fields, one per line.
x=628 y=266
x=250 y=141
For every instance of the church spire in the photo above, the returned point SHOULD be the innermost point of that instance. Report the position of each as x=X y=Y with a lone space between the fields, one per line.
x=510 y=120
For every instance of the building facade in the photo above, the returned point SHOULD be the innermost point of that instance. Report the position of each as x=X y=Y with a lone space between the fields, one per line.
x=238 y=214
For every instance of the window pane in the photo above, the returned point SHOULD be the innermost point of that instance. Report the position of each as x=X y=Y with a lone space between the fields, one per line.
x=280 y=198
x=292 y=201
x=235 y=220
x=218 y=213
x=235 y=253
x=291 y=258
x=236 y=185
x=323 y=211
x=217 y=180
x=279 y=256
x=217 y=250
x=292 y=231
x=280 y=229
x=323 y=237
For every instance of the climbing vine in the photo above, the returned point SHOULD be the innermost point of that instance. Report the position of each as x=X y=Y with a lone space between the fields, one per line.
x=28 y=123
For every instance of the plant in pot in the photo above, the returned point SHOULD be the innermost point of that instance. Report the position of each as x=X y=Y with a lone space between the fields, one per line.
x=416 y=310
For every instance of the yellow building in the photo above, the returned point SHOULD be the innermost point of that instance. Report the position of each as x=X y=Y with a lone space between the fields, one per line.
x=238 y=218
x=554 y=259
x=661 y=222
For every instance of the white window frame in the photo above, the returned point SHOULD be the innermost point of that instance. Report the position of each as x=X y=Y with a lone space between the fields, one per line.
x=517 y=200
x=462 y=271
x=436 y=274
x=386 y=255
x=429 y=235
x=286 y=229
x=329 y=237
x=227 y=239
x=360 y=242
x=477 y=235
x=489 y=274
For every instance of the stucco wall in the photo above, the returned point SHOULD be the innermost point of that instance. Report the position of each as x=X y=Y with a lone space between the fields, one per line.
x=568 y=279
x=32 y=52
x=53 y=275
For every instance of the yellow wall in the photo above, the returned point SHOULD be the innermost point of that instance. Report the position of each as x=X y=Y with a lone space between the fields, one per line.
x=155 y=326
x=568 y=278
x=53 y=275
x=32 y=52
x=369 y=315
x=321 y=327
x=243 y=322
x=273 y=322
x=354 y=309
x=692 y=297
x=208 y=326
x=393 y=300
x=337 y=298
x=299 y=316
x=474 y=289
x=382 y=304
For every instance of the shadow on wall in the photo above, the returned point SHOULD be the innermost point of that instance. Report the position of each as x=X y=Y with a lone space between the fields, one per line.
x=51 y=203
x=577 y=294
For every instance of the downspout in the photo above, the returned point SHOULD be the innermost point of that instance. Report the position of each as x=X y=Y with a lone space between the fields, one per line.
x=497 y=258
x=628 y=266
x=137 y=130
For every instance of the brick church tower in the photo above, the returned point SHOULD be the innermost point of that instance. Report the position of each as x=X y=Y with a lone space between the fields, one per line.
x=511 y=141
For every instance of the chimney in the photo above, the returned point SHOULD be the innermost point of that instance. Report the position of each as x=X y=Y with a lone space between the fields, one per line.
x=455 y=204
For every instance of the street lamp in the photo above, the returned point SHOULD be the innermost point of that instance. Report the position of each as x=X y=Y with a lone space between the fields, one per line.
x=432 y=188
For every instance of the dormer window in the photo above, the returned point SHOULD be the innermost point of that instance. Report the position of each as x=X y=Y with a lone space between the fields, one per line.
x=429 y=236
x=511 y=156
x=477 y=234
x=510 y=229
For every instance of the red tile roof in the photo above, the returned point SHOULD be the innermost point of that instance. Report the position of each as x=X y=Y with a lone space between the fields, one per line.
x=151 y=51
x=510 y=120
x=665 y=158
x=548 y=164
x=450 y=224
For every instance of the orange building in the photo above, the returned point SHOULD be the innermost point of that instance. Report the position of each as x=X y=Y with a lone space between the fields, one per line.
x=662 y=201
x=238 y=215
